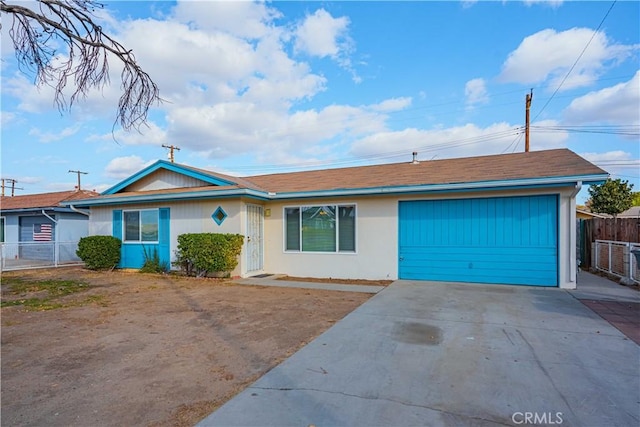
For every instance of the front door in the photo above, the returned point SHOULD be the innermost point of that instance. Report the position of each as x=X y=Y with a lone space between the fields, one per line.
x=255 y=223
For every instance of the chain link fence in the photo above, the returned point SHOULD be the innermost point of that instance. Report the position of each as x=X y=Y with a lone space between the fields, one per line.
x=25 y=255
x=617 y=258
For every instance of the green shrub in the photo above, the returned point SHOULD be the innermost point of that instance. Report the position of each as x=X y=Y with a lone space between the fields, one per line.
x=152 y=263
x=99 y=252
x=200 y=254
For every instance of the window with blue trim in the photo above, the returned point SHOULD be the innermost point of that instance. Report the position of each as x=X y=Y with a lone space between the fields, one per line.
x=328 y=228
x=141 y=225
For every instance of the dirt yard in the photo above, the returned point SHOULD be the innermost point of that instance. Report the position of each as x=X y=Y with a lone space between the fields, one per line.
x=151 y=350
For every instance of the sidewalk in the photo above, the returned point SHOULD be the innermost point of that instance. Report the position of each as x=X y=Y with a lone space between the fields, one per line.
x=617 y=304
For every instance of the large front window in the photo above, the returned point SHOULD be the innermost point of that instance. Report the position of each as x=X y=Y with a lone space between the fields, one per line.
x=141 y=226
x=329 y=228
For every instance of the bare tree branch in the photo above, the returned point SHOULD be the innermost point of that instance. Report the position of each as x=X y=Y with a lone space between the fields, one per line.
x=35 y=31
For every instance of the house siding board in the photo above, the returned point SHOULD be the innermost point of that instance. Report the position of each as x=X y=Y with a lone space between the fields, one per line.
x=164 y=179
x=72 y=227
x=11 y=228
x=523 y=252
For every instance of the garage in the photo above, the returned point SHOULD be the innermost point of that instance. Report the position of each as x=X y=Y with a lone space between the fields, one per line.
x=502 y=240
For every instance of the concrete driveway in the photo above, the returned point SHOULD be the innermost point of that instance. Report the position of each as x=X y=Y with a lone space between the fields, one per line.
x=425 y=353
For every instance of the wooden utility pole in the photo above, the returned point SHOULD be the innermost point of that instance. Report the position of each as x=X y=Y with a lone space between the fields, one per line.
x=171 y=148
x=528 y=99
x=79 y=172
x=13 y=186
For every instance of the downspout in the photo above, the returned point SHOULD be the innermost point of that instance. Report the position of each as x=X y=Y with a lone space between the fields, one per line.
x=45 y=214
x=73 y=208
x=573 y=240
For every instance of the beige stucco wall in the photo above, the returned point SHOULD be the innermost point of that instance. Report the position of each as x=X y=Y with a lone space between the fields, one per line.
x=186 y=217
x=376 y=254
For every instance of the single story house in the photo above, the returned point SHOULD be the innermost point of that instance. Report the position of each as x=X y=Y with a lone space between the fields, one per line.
x=504 y=219
x=30 y=225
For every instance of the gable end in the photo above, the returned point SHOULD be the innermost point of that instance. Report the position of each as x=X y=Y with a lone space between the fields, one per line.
x=164 y=175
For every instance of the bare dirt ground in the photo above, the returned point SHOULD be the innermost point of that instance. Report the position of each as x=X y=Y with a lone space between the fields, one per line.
x=154 y=350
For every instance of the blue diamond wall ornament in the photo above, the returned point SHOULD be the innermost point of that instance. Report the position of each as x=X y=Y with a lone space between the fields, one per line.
x=219 y=215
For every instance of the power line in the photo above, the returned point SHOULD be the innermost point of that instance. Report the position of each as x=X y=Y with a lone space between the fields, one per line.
x=576 y=61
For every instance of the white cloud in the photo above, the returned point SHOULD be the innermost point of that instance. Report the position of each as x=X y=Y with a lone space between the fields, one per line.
x=322 y=35
x=151 y=134
x=608 y=156
x=618 y=105
x=241 y=18
x=543 y=136
x=476 y=92
x=393 y=104
x=548 y=55
x=552 y=3
x=232 y=129
x=460 y=141
x=7 y=117
x=47 y=137
x=466 y=4
x=123 y=167
x=617 y=163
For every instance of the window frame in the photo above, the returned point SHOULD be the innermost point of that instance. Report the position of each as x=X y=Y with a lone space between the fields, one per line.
x=337 y=207
x=3 y=228
x=140 y=241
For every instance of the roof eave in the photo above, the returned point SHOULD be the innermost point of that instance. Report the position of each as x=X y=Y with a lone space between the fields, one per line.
x=61 y=209
x=455 y=187
x=165 y=197
x=405 y=189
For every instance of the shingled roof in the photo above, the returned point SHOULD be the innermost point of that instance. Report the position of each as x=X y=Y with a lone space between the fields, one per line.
x=504 y=167
x=551 y=167
x=43 y=200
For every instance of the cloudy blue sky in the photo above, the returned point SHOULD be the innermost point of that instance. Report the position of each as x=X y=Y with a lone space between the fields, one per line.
x=254 y=88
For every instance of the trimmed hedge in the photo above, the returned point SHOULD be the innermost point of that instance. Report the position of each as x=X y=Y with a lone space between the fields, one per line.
x=201 y=254
x=99 y=252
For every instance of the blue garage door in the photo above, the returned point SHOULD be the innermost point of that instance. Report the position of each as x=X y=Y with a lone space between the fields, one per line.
x=507 y=240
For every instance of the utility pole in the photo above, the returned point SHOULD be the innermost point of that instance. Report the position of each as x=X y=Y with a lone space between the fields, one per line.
x=528 y=100
x=79 y=172
x=171 y=148
x=13 y=186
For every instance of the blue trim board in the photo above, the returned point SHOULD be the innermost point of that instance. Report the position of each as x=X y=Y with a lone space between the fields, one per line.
x=163 y=164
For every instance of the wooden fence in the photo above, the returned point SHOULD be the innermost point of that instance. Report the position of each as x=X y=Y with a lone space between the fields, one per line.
x=590 y=230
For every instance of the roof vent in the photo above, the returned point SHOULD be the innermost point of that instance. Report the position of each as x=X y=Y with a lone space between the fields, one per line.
x=415 y=158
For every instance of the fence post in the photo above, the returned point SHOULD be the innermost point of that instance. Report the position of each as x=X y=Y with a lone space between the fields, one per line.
x=609 y=247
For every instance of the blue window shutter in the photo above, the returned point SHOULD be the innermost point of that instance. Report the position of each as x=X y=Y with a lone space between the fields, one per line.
x=117 y=224
x=164 y=235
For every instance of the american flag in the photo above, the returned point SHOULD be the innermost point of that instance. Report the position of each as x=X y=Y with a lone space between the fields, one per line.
x=42 y=232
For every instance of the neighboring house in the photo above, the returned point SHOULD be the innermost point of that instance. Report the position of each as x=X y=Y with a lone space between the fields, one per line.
x=585 y=214
x=632 y=212
x=40 y=218
x=495 y=219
